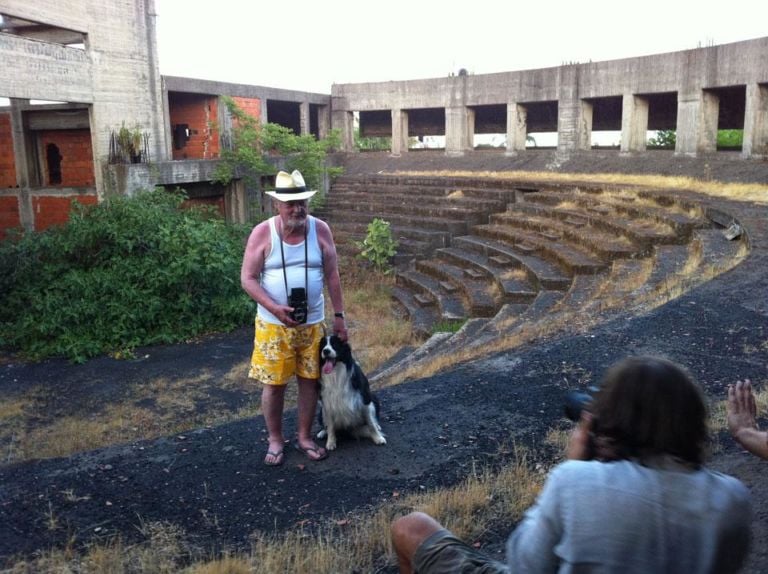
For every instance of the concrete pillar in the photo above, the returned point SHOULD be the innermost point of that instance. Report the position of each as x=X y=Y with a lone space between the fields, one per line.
x=399 y=131
x=456 y=130
x=470 y=142
x=697 y=123
x=585 y=126
x=235 y=202
x=517 y=128
x=168 y=128
x=23 y=154
x=634 y=123
x=756 y=122
x=344 y=121
x=304 y=118
x=569 y=110
x=323 y=121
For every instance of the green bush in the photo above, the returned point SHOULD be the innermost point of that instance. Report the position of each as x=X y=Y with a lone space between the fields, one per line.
x=124 y=273
x=378 y=247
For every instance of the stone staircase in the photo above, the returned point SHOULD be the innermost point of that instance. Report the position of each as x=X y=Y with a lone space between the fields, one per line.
x=502 y=257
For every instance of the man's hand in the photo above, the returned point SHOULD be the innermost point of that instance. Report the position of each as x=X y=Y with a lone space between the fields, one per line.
x=741 y=409
x=340 y=328
x=580 y=446
x=741 y=415
x=283 y=314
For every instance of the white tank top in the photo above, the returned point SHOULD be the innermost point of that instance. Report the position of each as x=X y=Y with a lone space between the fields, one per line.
x=272 y=275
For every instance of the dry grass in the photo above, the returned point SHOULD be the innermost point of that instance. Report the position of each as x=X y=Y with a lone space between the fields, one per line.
x=349 y=543
x=752 y=192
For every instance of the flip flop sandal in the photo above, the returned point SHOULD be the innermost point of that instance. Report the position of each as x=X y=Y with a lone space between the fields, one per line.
x=319 y=451
x=279 y=458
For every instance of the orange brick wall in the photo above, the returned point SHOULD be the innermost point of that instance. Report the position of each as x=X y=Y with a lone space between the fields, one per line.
x=7 y=162
x=251 y=106
x=77 y=157
x=54 y=210
x=9 y=215
x=200 y=113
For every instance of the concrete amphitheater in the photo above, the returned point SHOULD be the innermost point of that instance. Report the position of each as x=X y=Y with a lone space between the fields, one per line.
x=552 y=281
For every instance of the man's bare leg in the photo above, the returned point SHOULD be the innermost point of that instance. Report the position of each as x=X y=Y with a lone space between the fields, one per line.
x=272 y=400
x=408 y=533
x=307 y=404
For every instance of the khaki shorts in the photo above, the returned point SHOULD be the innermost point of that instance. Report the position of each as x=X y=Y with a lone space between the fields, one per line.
x=279 y=352
x=443 y=552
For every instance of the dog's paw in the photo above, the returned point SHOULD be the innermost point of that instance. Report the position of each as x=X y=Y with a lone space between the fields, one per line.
x=379 y=440
x=330 y=444
x=321 y=434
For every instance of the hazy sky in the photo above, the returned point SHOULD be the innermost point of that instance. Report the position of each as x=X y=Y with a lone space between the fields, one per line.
x=311 y=44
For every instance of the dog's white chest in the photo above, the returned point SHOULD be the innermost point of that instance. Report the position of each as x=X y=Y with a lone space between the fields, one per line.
x=342 y=404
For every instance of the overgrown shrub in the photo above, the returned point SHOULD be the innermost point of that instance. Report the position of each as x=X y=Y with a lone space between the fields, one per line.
x=124 y=273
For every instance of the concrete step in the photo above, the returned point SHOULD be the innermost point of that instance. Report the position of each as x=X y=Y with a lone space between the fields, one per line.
x=512 y=282
x=627 y=207
x=513 y=317
x=427 y=289
x=409 y=196
x=422 y=318
x=541 y=273
x=607 y=245
x=638 y=227
x=572 y=258
x=359 y=229
x=451 y=226
x=478 y=293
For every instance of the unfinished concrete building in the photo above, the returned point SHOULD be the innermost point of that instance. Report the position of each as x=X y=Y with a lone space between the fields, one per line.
x=694 y=92
x=85 y=112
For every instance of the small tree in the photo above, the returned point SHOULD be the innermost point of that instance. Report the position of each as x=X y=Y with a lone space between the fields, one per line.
x=252 y=144
x=379 y=246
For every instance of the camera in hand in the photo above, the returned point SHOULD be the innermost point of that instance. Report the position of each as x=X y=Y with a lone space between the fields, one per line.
x=577 y=401
x=298 y=300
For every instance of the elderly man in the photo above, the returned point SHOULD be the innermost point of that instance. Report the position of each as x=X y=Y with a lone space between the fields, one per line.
x=287 y=261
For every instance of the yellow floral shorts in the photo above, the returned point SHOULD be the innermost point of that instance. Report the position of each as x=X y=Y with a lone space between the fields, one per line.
x=279 y=352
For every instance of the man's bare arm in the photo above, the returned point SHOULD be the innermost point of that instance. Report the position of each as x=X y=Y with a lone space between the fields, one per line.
x=256 y=249
x=331 y=275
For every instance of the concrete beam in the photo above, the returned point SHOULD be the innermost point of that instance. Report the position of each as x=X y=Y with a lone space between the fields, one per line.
x=39 y=70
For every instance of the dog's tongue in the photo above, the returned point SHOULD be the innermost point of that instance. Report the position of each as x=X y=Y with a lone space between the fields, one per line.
x=327 y=366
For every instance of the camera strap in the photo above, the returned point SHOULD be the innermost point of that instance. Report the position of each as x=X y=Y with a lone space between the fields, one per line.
x=306 y=261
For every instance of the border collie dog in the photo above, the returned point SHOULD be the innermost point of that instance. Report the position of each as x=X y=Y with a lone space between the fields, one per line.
x=346 y=401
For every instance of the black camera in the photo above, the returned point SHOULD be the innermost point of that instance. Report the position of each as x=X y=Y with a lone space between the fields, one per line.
x=298 y=300
x=577 y=401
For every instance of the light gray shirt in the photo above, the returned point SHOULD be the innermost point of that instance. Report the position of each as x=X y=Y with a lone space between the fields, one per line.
x=622 y=517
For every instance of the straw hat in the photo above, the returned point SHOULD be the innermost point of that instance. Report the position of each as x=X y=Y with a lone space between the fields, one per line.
x=290 y=187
